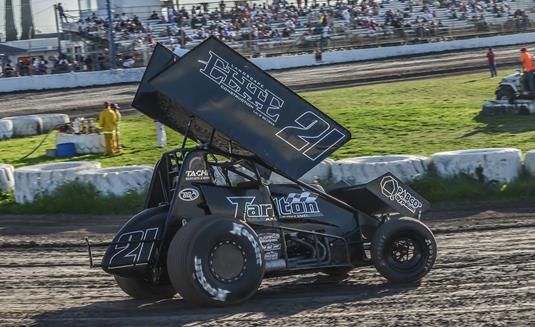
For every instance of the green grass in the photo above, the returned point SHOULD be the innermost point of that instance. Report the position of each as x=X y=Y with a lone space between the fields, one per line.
x=466 y=191
x=75 y=198
x=415 y=117
x=423 y=117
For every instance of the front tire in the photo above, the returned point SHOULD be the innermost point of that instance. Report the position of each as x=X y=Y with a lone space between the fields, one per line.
x=215 y=261
x=143 y=290
x=506 y=93
x=403 y=250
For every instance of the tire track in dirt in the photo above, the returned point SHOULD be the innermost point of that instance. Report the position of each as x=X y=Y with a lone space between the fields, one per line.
x=484 y=276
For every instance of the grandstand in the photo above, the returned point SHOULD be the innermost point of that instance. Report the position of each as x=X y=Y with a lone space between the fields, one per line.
x=277 y=28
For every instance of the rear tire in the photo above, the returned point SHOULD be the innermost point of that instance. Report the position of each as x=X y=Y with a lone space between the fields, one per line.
x=506 y=93
x=215 y=261
x=403 y=250
x=142 y=290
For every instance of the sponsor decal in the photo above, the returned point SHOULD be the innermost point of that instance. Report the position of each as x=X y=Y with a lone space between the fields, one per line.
x=242 y=86
x=197 y=170
x=197 y=175
x=217 y=294
x=298 y=205
x=270 y=241
x=245 y=207
x=239 y=229
x=393 y=191
x=271 y=255
x=188 y=194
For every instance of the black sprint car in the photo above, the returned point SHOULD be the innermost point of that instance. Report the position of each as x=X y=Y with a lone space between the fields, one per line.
x=213 y=226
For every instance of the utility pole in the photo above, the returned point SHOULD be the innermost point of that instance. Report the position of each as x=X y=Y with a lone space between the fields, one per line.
x=80 y=9
x=111 y=40
x=57 y=27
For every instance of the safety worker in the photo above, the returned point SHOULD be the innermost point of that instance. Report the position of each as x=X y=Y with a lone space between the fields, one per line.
x=161 y=137
x=118 y=144
x=107 y=121
x=526 y=59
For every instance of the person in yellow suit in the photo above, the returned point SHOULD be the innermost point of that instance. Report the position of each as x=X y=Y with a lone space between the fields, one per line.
x=107 y=121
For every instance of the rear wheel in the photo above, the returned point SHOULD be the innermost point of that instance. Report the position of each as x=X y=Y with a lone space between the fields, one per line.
x=216 y=261
x=403 y=250
x=141 y=289
x=506 y=93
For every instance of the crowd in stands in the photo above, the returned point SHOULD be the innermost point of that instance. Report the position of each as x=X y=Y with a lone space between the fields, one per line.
x=281 y=20
x=39 y=65
x=277 y=21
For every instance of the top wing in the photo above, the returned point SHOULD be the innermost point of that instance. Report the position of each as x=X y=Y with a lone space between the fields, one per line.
x=236 y=105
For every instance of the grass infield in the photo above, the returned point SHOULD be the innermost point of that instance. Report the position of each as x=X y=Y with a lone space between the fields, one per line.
x=414 y=117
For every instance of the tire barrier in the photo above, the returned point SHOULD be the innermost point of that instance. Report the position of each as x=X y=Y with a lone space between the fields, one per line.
x=322 y=172
x=50 y=121
x=529 y=162
x=26 y=125
x=6 y=129
x=84 y=143
x=501 y=165
x=117 y=180
x=7 y=178
x=362 y=170
x=32 y=181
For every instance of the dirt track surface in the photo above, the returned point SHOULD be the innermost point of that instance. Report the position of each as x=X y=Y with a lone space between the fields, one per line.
x=484 y=275
x=88 y=101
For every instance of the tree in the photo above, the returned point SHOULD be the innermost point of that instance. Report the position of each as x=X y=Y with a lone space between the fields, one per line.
x=11 y=30
x=26 y=20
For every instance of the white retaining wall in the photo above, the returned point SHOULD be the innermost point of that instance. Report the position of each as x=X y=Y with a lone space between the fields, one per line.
x=500 y=165
x=71 y=80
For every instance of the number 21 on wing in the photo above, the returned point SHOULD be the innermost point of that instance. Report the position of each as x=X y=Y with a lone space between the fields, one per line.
x=312 y=136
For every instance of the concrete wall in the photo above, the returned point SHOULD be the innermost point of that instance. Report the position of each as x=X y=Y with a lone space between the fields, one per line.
x=71 y=80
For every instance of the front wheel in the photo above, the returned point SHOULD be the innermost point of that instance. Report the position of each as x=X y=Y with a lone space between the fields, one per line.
x=215 y=261
x=403 y=250
x=506 y=93
x=142 y=290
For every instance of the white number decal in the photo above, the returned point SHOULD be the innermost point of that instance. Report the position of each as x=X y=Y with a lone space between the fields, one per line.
x=131 y=248
x=312 y=136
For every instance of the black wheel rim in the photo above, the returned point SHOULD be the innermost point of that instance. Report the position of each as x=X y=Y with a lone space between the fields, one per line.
x=228 y=261
x=406 y=253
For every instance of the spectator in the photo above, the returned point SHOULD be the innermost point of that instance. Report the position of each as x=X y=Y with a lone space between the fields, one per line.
x=61 y=13
x=526 y=59
x=154 y=15
x=491 y=58
x=129 y=62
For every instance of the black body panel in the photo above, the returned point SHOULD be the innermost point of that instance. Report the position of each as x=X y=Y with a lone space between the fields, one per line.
x=134 y=246
x=383 y=195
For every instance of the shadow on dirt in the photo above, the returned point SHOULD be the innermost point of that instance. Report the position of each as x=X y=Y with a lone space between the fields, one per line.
x=271 y=302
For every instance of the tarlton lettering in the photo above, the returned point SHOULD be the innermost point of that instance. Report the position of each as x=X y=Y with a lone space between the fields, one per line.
x=298 y=205
x=246 y=208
